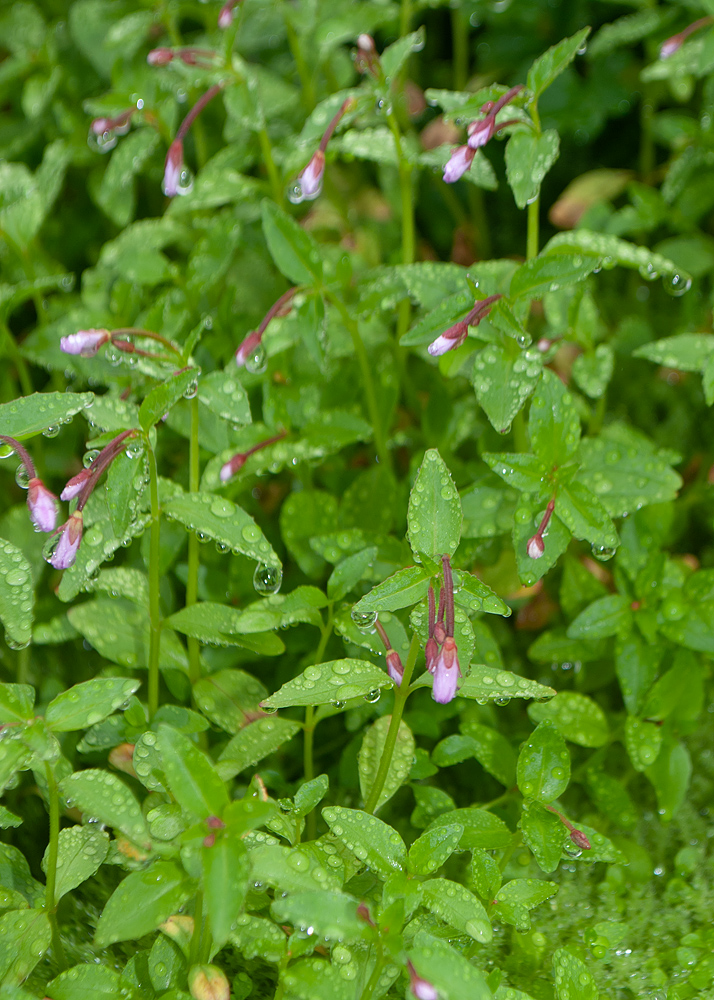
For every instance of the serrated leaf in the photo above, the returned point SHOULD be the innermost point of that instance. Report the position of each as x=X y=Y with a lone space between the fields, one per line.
x=551 y=64
x=543 y=764
x=370 y=757
x=613 y=250
x=504 y=381
x=222 y=521
x=529 y=157
x=191 y=777
x=16 y=595
x=88 y=703
x=142 y=901
x=293 y=250
x=434 y=512
x=578 y=718
x=104 y=797
x=328 y=683
x=371 y=841
x=81 y=851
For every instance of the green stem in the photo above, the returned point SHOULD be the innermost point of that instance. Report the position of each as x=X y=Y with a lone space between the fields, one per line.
x=14 y=354
x=273 y=174
x=400 y=697
x=309 y=729
x=154 y=609
x=194 y=651
x=460 y=48
x=405 y=17
x=533 y=220
x=53 y=848
x=23 y=665
x=408 y=230
x=194 y=947
x=306 y=81
x=376 y=972
x=520 y=436
x=370 y=395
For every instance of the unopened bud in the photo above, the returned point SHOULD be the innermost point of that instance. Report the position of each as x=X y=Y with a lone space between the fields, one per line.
x=75 y=485
x=85 y=343
x=394 y=666
x=208 y=982
x=535 y=547
x=579 y=839
x=215 y=823
x=122 y=758
x=421 y=988
x=209 y=840
x=159 y=57
x=42 y=505
x=363 y=914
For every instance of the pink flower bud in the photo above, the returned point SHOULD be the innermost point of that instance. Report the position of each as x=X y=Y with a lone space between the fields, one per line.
x=365 y=41
x=670 y=46
x=310 y=180
x=431 y=652
x=209 y=840
x=70 y=535
x=481 y=131
x=247 y=347
x=446 y=673
x=579 y=839
x=225 y=16
x=394 y=666
x=459 y=162
x=421 y=988
x=172 y=168
x=535 y=547
x=231 y=467
x=439 y=632
x=449 y=340
x=215 y=823
x=159 y=57
x=42 y=505
x=75 y=484
x=86 y=343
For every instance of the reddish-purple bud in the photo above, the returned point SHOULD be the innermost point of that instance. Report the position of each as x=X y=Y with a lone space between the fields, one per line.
x=431 y=652
x=673 y=44
x=363 y=914
x=75 y=484
x=421 y=988
x=42 y=505
x=160 y=57
x=481 y=131
x=535 y=547
x=446 y=673
x=439 y=632
x=225 y=15
x=458 y=163
x=394 y=666
x=86 y=343
x=215 y=823
x=449 y=340
x=173 y=168
x=248 y=347
x=309 y=183
x=209 y=840
x=579 y=839
x=231 y=467
x=70 y=535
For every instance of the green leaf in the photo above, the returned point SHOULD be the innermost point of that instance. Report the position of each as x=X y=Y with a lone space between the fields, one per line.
x=481 y=828
x=291 y=869
x=643 y=740
x=104 y=797
x=670 y=776
x=529 y=157
x=253 y=743
x=575 y=716
x=491 y=749
x=526 y=520
x=29 y=415
x=165 y=396
x=473 y=594
x=332 y=915
x=553 y=422
x=548 y=272
x=606 y=616
x=142 y=901
x=126 y=480
x=572 y=977
x=226 y=868
x=16 y=702
x=450 y=972
x=347 y=574
x=488 y=511
x=14 y=756
x=544 y=834
x=521 y=471
x=551 y=64
x=221 y=625
x=119 y=631
x=517 y=897
x=256 y=937
x=488 y=684
x=116 y=194
x=636 y=669
x=86 y=982
x=401 y=590
x=223 y=393
x=191 y=776
x=581 y=511
x=458 y=907
x=503 y=382
x=229 y=698
x=592 y=371
x=99 y=542
x=543 y=764
x=627 y=30
x=395 y=55
x=88 y=703
x=612 y=250
x=16 y=595
x=434 y=848
x=81 y=851
x=434 y=514
x=370 y=757
x=371 y=841
x=486 y=874
x=293 y=250
x=222 y=521
x=330 y=683
x=310 y=793
x=610 y=797
x=25 y=936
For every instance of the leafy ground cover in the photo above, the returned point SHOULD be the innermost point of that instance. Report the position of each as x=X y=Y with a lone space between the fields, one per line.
x=356 y=566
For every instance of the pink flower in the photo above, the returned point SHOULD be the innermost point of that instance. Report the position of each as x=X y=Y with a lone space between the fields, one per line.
x=535 y=547
x=394 y=666
x=449 y=340
x=231 y=467
x=446 y=672
x=481 y=131
x=74 y=486
x=42 y=505
x=421 y=988
x=248 y=347
x=159 y=57
x=310 y=180
x=70 y=535
x=459 y=162
x=86 y=343
x=172 y=168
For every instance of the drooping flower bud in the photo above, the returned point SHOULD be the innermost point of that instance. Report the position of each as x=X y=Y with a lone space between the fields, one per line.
x=75 y=485
x=248 y=347
x=481 y=131
x=421 y=988
x=579 y=839
x=366 y=58
x=85 y=343
x=232 y=466
x=42 y=505
x=394 y=666
x=671 y=45
x=431 y=653
x=446 y=672
x=309 y=182
x=160 y=57
x=70 y=535
x=215 y=823
x=535 y=547
x=458 y=163
x=449 y=340
x=173 y=168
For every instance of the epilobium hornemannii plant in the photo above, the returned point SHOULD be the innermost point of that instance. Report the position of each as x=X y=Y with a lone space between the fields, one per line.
x=346 y=293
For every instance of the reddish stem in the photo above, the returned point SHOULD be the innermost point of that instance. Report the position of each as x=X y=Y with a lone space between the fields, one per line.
x=334 y=123
x=105 y=457
x=196 y=110
x=23 y=453
x=449 y=599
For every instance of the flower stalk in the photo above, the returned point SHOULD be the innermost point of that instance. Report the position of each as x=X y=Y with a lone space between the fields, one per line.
x=236 y=463
x=251 y=343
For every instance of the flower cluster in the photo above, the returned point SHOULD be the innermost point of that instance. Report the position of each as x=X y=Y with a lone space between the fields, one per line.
x=454 y=337
x=442 y=658
x=479 y=133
